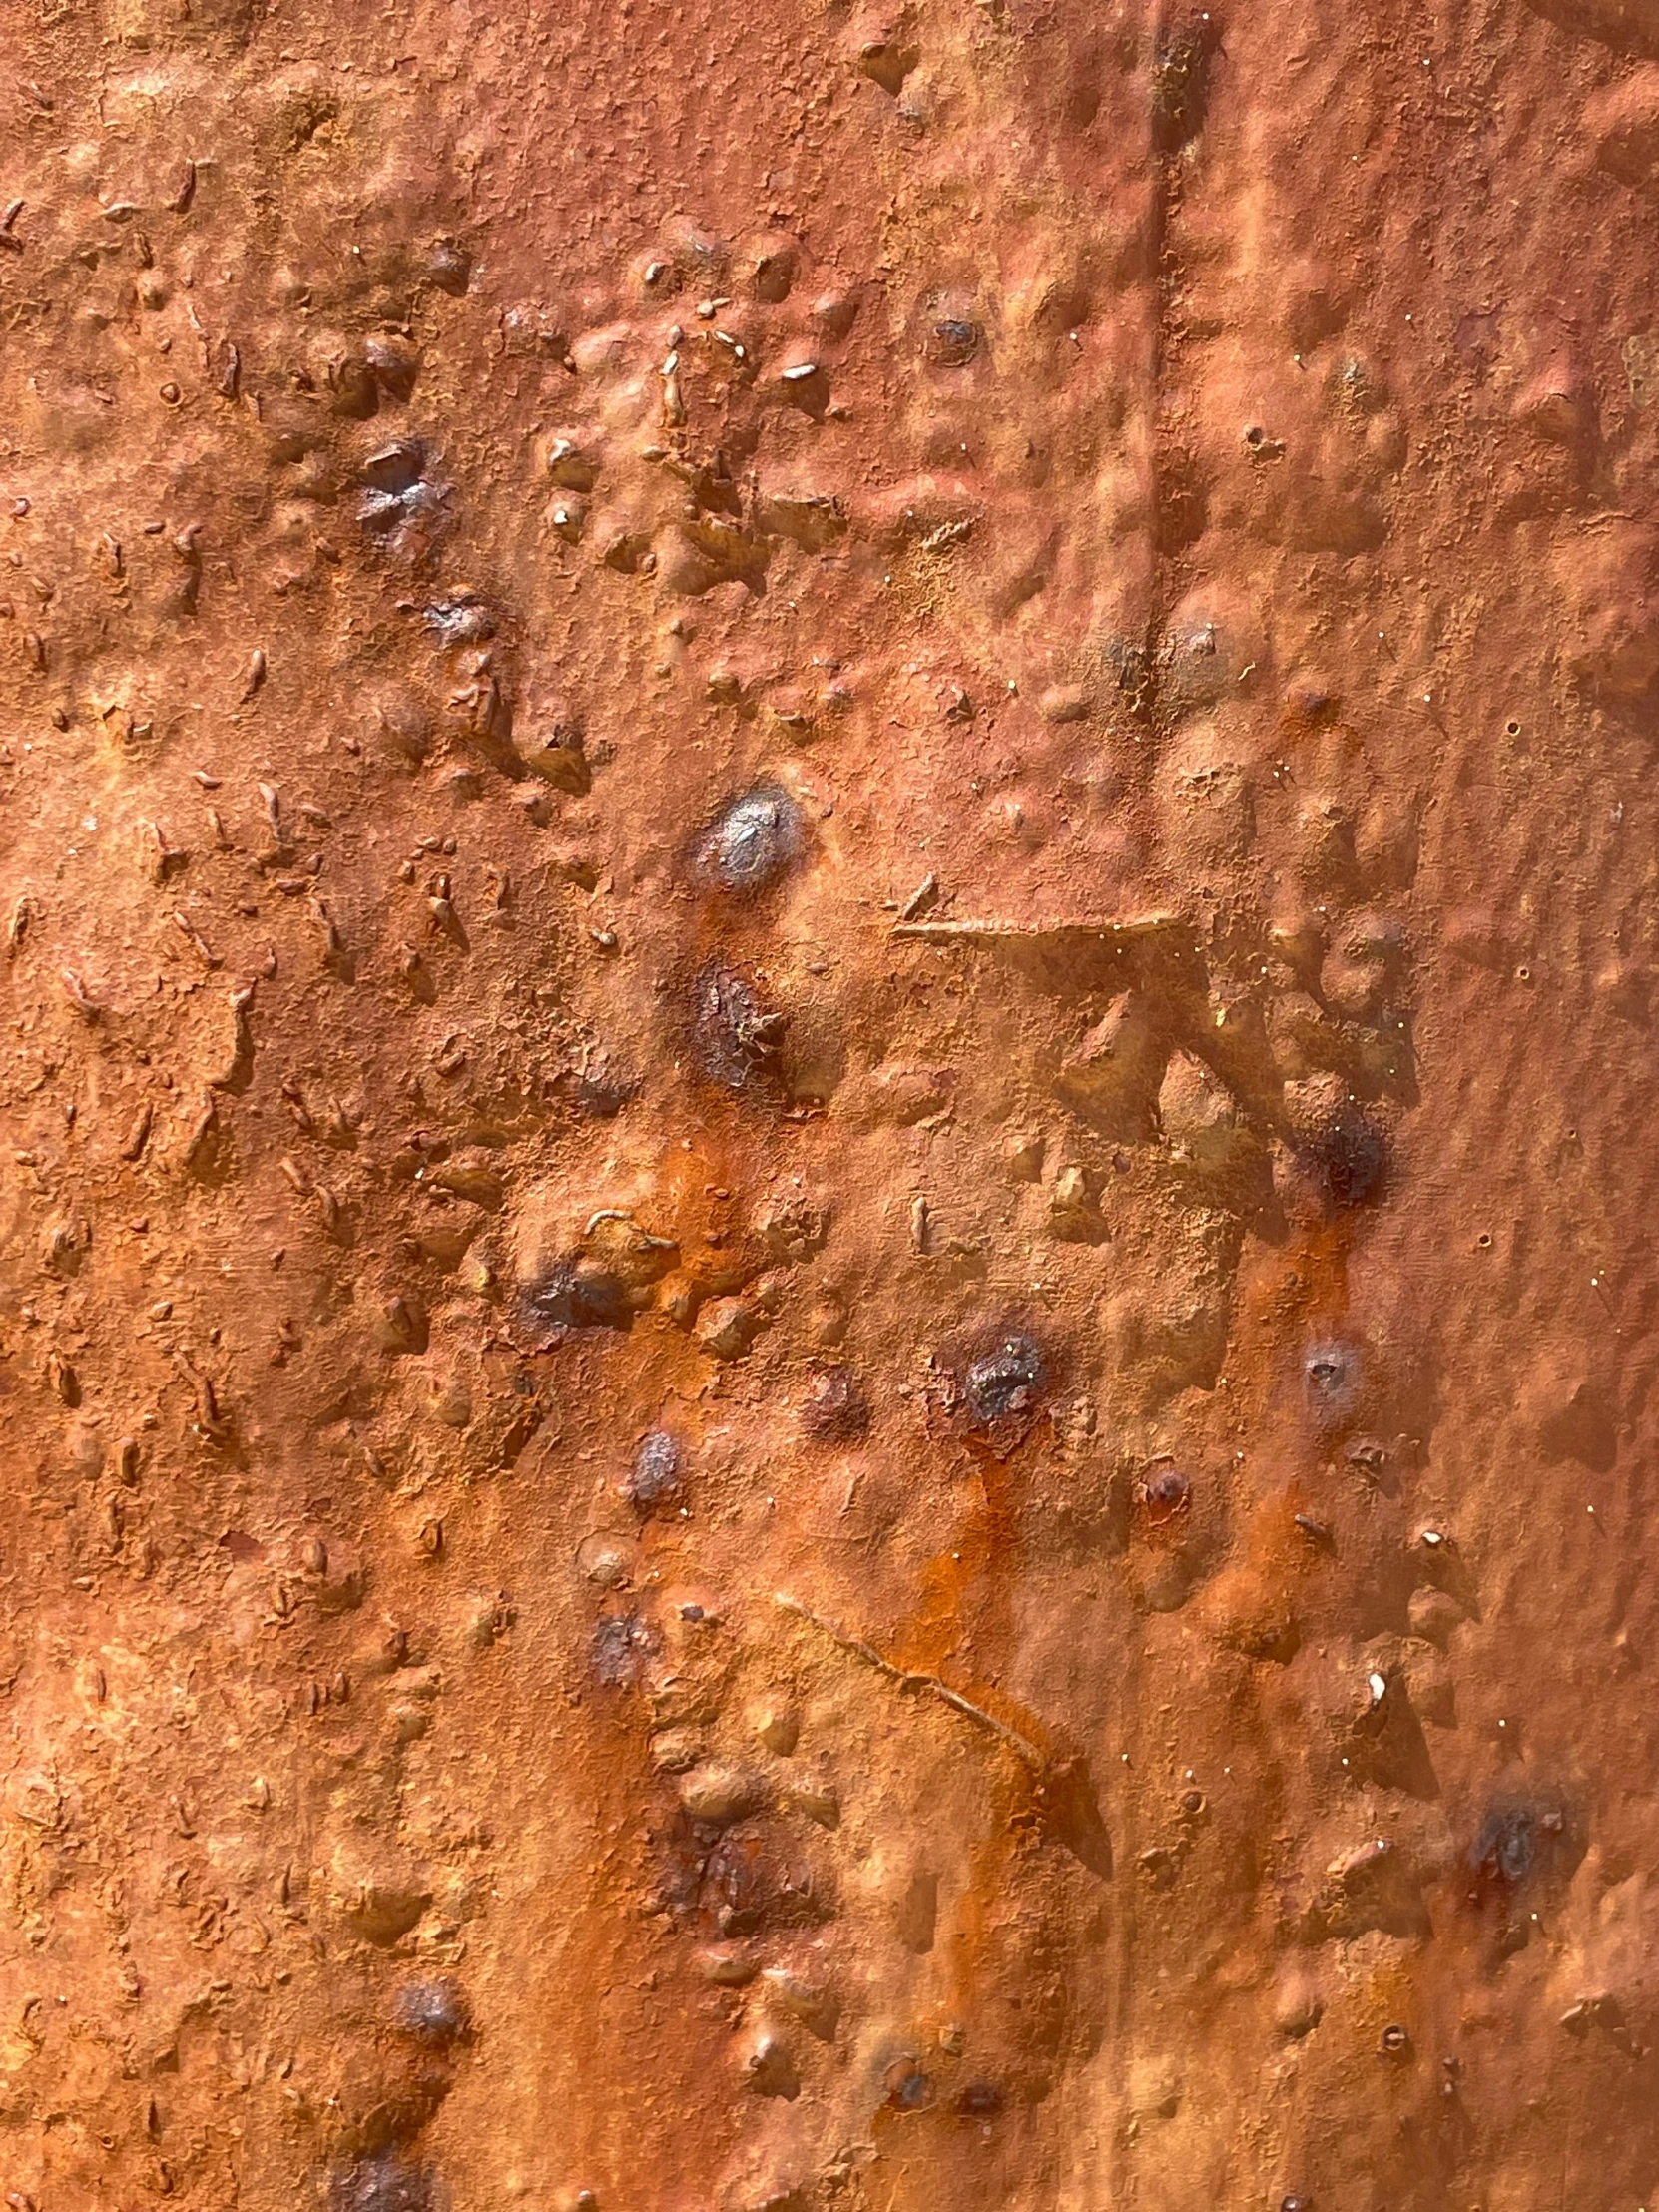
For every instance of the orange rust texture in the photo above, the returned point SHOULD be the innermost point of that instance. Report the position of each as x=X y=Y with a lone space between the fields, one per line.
x=852 y=807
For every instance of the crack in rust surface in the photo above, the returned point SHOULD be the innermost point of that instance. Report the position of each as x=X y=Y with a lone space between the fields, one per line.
x=852 y=801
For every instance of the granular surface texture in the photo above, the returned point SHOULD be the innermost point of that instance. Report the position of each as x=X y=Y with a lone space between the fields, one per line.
x=828 y=970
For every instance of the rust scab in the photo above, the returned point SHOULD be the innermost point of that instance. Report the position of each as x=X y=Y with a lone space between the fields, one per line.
x=991 y=1385
x=751 y=842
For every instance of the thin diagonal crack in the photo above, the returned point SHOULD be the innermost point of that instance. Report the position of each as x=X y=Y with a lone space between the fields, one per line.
x=907 y=1679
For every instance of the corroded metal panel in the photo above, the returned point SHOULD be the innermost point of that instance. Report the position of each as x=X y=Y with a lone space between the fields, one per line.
x=825 y=1342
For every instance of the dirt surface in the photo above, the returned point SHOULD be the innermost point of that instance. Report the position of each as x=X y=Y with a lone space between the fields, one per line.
x=826 y=1331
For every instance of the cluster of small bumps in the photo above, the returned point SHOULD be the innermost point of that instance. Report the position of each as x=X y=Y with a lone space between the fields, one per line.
x=828 y=962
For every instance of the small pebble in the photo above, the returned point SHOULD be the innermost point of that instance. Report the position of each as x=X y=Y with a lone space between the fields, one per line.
x=721 y=1795
x=435 y=2012
x=657 y=1471
x=908 y=2088
x=754 y=842
x=1006 y=1382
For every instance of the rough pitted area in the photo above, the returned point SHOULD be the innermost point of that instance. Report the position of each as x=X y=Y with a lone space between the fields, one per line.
x=826 y=1346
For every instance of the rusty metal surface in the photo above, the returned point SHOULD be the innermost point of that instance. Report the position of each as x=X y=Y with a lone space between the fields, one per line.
x=825 y=1341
